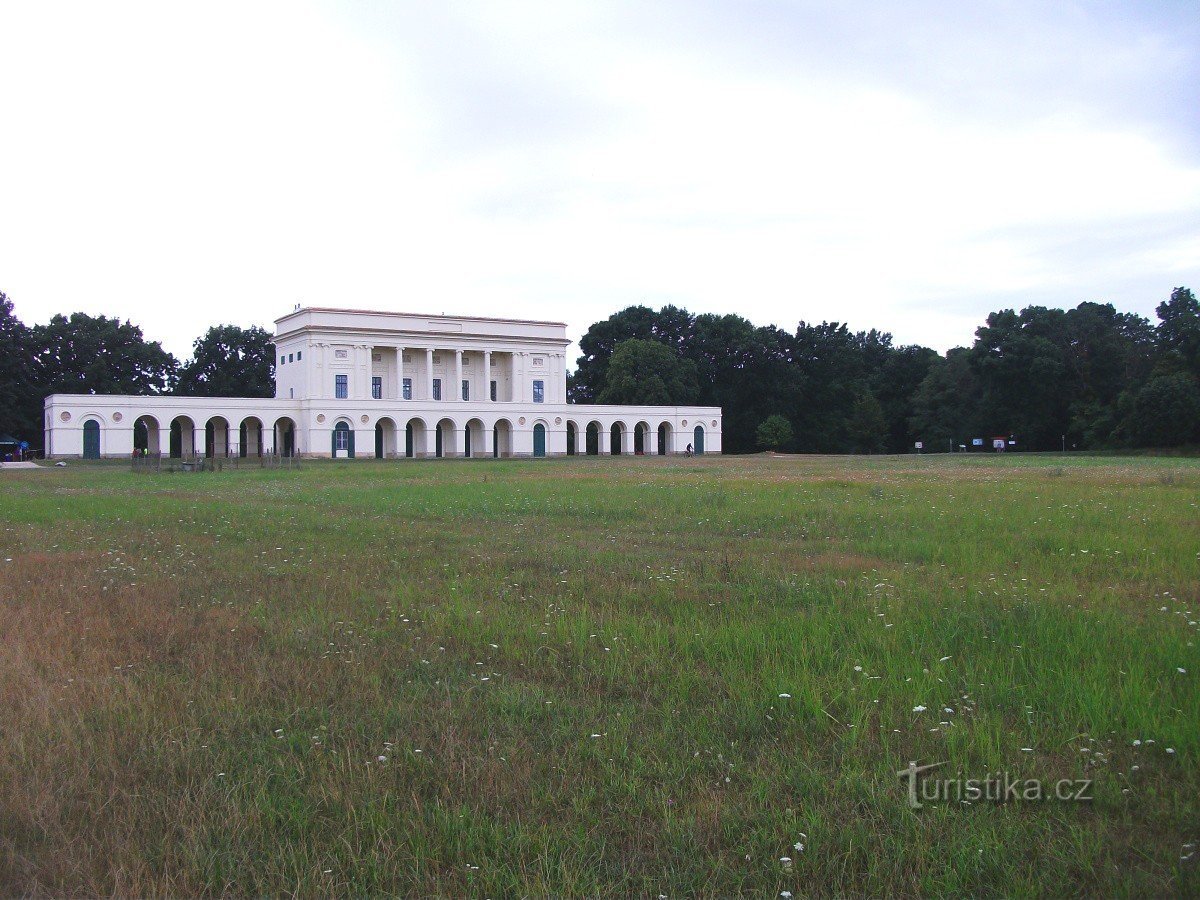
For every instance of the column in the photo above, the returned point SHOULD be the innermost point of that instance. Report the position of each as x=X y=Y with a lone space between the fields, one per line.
x=487 y=383
x=399 y=394
x=458 y=375
x=428 y=374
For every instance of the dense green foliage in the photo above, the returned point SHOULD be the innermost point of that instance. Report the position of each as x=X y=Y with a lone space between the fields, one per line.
x=229 y=361
x=599 y=677
x=1088 y=377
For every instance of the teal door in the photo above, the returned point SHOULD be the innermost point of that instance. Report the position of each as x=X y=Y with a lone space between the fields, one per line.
x=539 y=440
x=698 y=441
x=467 y=442
x=343 y=441
x=91 y=439
x=408 y=440
x=379 y=441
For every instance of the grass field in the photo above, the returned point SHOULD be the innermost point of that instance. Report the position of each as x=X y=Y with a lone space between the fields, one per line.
x=599 y=677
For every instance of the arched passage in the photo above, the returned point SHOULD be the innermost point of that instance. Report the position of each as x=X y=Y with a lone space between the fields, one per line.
x=592 y=437
x=616 y=437
x=91 y=439
x=146 y=436
x=250 y=437
x=415 y=438
x=385 y=438
x=539 y=440
x=343 y=441
x=641 y=437
x=698 y=440
x=216 y=437
x=502 y=438
x=182 y=440
x=285 y=437
x=444 y=439
x=664 y=438
x=473 y=443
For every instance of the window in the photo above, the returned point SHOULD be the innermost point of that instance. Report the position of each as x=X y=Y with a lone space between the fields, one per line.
x=341 y=436
x=282 y=359
x=376 y=388
x=466 y=389
x=437 y=389
x=299 y=355
x=341 y=386
x=493 y=392
x=407 y=388
x=289 y=357
x=539 y=392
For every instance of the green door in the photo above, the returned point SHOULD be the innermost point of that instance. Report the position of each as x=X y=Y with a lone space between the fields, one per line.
x=467 y=442
x=698 y=441
x=379 y=440
x=408 y=440
x=539 y=440
x=91 y=439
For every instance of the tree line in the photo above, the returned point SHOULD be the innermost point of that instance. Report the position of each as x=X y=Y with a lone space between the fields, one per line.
x=1087 y=378
x=82 y=354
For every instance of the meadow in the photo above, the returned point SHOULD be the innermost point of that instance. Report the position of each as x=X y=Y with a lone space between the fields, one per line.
x=600 y=677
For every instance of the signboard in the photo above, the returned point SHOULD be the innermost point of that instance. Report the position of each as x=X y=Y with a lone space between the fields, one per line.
x=998 y=443
x=920 y=445
x=976 y=442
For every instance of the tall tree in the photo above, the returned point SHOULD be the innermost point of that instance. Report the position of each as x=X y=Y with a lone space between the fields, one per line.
x=1178 y=332
x=20 y=409
x=647 y=372
x=229 y=361
x=98 y=355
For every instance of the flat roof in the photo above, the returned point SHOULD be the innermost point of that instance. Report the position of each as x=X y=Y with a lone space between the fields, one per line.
x=418 y=315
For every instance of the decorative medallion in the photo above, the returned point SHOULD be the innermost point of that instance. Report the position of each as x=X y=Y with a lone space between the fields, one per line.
x=557 y=421
x=320 y=418
x=365 y=419
x=685 y=423
x=714 y=423
x=521 y=420
x=66 y=417
x=117 y=417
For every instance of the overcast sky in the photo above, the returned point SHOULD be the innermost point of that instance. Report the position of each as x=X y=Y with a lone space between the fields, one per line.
x=906 y=166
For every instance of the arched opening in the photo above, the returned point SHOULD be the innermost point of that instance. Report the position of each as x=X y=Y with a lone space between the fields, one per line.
x=473 y=443
x=250 y=437
x=572 y=437
x=91 y=439
x=591 y=440
x=146 y=436
x=698 y=440
x=285 y=437
x=385 y=438
x=502 y=438
x=539 y=440
x=444 y=443
x=664 y=438
x=216 y=437
x=641 y=436
x=343 y=441
x=415 y=440
x=616 y=437
x=182 y=439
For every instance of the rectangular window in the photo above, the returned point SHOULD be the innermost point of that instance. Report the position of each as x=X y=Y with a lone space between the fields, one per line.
x=282 y=359
x=407 y=388
x=289 y=357
x=493 y=392
x=299 y=355
x=437 y=389
x=341 y=386
x=539 y=392
x=376 y=388
x=466 y=391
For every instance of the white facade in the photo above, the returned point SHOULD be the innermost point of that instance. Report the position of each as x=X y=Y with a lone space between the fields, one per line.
x=354 y=383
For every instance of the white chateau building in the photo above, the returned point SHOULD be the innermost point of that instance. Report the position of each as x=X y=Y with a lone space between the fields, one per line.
x=359 y=384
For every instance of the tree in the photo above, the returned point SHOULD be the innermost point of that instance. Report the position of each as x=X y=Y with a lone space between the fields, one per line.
x=599 y=345
x=866 y=429
x=1178 y=333
x=647 y=372
x=229 y=361
x=86 y=355
x=20 y=407
x=1166 y=412
x=945 y=404
x=775 y=432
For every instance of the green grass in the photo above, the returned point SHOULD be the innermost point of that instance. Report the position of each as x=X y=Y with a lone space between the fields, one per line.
x=574 y=669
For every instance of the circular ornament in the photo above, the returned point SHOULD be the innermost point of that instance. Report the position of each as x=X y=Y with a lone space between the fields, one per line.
x=117 y=417
x=66 y=417
x=320 y=418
